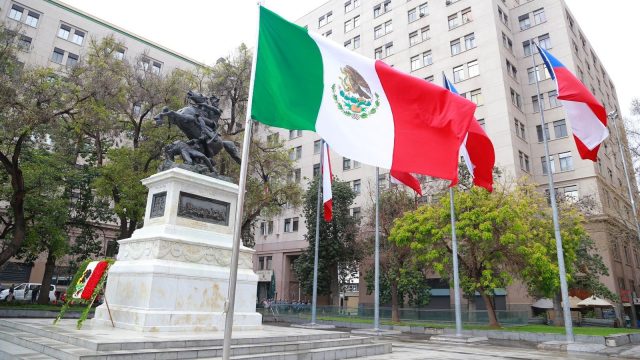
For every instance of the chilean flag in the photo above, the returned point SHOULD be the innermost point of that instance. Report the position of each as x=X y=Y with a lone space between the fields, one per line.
x=327 y=196
x=586 y=115
x=477 y=151
x=400 y=177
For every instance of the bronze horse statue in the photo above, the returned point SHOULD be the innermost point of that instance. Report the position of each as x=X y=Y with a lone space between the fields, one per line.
x=195 y=124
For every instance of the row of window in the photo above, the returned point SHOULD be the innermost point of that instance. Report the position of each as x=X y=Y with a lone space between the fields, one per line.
x=27 y=16
x=57 y=56
x=565 y=161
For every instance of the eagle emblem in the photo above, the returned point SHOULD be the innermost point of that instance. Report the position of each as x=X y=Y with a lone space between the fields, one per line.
x=353 y=96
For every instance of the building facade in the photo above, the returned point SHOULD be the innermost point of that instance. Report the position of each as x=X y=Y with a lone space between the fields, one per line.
x=54 y=34
x=484 y=48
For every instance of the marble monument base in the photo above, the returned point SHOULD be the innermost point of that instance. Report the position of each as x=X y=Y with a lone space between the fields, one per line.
x=173 y=273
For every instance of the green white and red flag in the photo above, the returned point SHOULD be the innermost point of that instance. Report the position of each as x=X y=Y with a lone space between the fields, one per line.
x=364 y=109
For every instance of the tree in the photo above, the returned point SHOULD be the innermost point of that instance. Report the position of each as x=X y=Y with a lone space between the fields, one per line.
x=402 y=278
x=32 y=103
x=496 y=233
x=338 y=250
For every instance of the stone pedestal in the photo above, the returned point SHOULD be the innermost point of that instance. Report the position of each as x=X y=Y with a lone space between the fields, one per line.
x=173 y=273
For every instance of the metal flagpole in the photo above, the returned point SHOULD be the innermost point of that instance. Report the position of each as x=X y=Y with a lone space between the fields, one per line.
x=235 y=252
x=613 y=115
x=314 y=299
x=564 y=289
x=376 y=295
x=456 y=273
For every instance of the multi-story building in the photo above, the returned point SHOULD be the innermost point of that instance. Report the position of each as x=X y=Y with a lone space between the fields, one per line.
x=54 y=34
x=485 y=48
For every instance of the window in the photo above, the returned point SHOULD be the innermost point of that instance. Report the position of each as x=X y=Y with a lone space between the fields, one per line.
x=352 y=23
x=423 y=10
x=425 y=32
x=415 y=63
x=64 y=31
x=295 y=153
x=265 y=263
x=544 y=41
x=481 y=122
x=16 y=12
x=356 y=213
x=570 y=193
x=553 y=98
x=381 y=8
x=429 y=78
x=524 y=161
x=72 y=60
x=476 y=97
x=532 y=74
x=524 y=21
x=296 y=134
x=427 y=58
x=544 y=164
x=526 y=47
x=560 y=128
x=377 y=53
x=616 y=251
x=350 y=5
x=78 y=37
x=356 y=42
x=325 y=19
x=520 y=129
x=473 y=68
x=357 y=186
x=346 y=163
x=327 y=34
x=273 y=139
x=316 y=170
x=546 y=132
x=469 y=41
x=291 y=224
x=412 y=15
x=512 y=70
x=503 y=17
x=507 y=43
x=538 y=16
x=297 y=175
x=536 y=104
x=458 y=73
x=466 y=15
x=413 y=38
x=388 y=49
x=156 y=68
x=378 y=31
x=453 y=21
x=32 y=19
x=516 y=100
x=316 y=146
x=57 y=56
x=24 y=43
x=566 y=161
x=455 y=47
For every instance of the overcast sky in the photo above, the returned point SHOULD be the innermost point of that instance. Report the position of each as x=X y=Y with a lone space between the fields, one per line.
x=221 y=25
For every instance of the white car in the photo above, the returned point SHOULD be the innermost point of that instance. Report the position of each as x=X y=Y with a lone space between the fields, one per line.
x=23 y=291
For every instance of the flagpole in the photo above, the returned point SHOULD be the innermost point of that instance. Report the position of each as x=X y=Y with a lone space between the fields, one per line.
x=314 y=299
x=456 y=273
x=613 y=115
x=454 y=250
x=564 y=289
x=229 y=305
x=376 y=282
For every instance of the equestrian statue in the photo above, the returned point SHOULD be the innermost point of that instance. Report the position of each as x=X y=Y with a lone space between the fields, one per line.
x=199 y=122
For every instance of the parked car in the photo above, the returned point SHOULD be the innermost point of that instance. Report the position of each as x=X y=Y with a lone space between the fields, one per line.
x=22 y=292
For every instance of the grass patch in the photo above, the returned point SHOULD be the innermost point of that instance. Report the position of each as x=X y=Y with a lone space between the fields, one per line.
x=29 y=306
x=589 y=330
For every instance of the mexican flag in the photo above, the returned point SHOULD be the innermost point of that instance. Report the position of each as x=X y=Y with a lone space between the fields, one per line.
x=364 y=109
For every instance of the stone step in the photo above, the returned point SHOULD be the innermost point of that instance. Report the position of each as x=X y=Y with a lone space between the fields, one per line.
x=10 y=351
x=65 y=351
x=346 y=352
x=70 y=337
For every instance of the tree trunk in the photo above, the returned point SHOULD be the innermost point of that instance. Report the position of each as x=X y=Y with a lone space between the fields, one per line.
x=17 y=206
x=473 y=311
x=395 y=310
x=334 y=286
x=558 y=316
x=43 y=296
x=491 y=311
